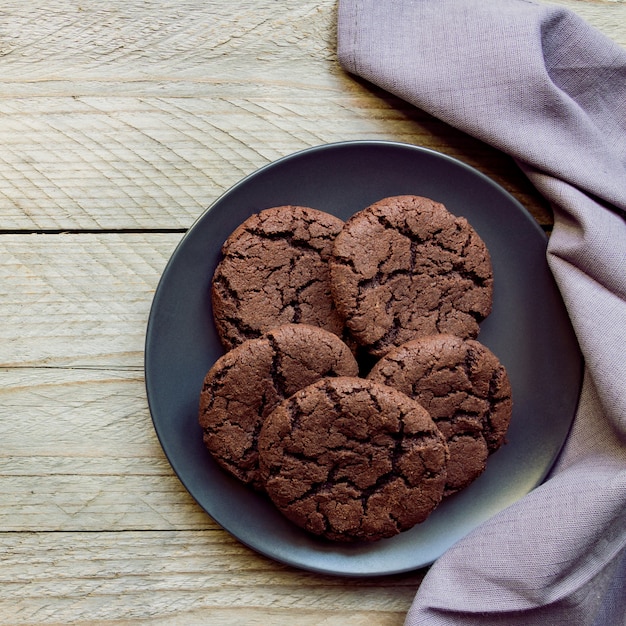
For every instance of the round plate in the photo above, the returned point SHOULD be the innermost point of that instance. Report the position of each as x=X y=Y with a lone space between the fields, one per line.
x=528 y=330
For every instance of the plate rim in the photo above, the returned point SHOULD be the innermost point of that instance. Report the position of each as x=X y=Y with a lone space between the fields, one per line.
x=196 y=224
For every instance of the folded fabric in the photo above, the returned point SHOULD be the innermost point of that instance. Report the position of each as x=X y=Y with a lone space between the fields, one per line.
x=540 y=84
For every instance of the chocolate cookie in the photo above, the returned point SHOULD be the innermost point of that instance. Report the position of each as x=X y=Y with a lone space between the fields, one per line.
x=246 y=383
x=352 y=460
x=275 y=271
x=405 y=267
x=465 y=389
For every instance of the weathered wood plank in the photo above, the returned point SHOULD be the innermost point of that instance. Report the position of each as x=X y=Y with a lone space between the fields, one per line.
x=123 y=41
x=97 y=132
x=61 y=41
x=79 y=452
x=179 y=578
x=134 y=162
x=129 y=115
x=67 y=299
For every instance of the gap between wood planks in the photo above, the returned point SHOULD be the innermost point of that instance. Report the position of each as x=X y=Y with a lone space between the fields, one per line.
x=91 y=231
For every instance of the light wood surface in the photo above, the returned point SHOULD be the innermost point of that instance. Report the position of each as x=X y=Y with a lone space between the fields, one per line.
x=120 y=122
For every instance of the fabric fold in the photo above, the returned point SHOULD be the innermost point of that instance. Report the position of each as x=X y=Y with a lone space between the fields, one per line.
x=537 y=82
x=473 y=64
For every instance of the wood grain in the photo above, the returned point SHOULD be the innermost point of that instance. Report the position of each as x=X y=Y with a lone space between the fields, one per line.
x=72 y=298
x=201 y=577
x=139 y=116
x=83 y=455
x=134 y=115
x=130 y=163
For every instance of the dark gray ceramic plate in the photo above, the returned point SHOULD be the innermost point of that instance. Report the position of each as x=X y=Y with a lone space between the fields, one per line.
x=528 y=329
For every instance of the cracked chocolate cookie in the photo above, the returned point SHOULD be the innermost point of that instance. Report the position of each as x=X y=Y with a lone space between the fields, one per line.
x=352 y=460
x=405 y=267
x=465 y=389
x=248 y=382
x=274 y=271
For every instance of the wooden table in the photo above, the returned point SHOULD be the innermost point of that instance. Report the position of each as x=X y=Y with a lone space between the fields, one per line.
x=120 y=122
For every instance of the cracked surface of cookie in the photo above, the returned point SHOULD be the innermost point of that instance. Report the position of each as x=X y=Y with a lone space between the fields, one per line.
x=248 y=382
x=465 y=389
x=274 y=270
x=405 y=267
x=352 y=460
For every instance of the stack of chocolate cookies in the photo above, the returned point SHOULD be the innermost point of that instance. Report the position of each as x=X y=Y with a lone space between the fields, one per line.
x=353 y=390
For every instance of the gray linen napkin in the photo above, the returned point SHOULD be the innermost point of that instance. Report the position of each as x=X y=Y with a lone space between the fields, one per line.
x=540 y=84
